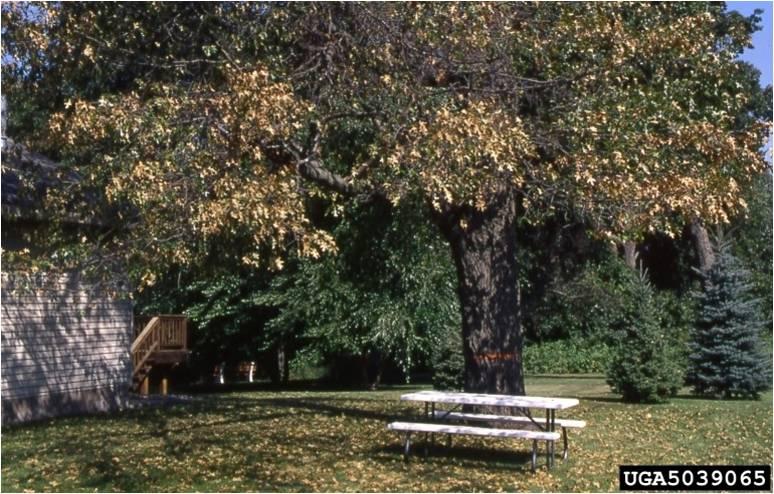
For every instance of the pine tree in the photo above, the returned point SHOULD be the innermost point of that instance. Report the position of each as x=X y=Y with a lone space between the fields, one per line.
x=646 y=366
x=449 y=362
x=726 y=357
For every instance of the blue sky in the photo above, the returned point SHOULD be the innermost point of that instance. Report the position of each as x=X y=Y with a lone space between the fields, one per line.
x=761 y=54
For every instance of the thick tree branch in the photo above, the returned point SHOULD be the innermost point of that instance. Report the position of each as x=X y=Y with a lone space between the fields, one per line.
x=311 y=166
x=313 y=170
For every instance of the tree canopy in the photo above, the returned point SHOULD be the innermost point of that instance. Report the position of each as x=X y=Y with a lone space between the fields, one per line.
x=193 y=122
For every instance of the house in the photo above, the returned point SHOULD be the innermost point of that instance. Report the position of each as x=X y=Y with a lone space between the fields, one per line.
x=68 y=344
x=65 y=340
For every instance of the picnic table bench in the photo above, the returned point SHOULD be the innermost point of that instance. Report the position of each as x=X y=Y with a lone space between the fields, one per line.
x=535 y=429
x=512 y=419
x=245 y=370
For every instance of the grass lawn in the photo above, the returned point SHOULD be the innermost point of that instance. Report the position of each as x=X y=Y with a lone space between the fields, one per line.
x=337 y=441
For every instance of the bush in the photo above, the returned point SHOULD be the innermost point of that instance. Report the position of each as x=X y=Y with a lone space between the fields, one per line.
x=588 y=307
x=647 y=365
x=449 y=362
x=570 y=356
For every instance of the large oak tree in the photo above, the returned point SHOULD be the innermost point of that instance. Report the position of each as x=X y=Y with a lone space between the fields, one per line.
x=188 y=123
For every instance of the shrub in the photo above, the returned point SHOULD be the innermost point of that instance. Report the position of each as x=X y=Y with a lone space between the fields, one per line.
x=647 y=364
x=449 y=363
x=726 y=358
x=570 y=356
x=587 y=307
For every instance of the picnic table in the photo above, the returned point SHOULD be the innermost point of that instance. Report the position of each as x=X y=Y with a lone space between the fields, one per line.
x=520 y=408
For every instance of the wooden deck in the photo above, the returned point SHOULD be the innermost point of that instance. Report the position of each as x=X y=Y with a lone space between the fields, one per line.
x=162 y=342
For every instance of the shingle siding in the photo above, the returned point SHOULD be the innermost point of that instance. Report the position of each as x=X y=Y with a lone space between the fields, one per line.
x=65 y=347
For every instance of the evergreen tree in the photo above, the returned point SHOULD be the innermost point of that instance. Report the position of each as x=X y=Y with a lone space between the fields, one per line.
x=726 y=352
x=448 y=362
x=647 y=365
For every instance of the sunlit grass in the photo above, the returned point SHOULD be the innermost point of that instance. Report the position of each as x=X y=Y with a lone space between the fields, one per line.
x=337 y=441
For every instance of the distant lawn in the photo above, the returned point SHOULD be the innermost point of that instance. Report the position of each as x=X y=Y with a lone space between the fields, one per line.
x=337 y=441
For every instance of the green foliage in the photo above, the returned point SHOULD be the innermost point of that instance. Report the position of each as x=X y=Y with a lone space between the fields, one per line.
x=726 y=353
x=226 y=323
x=590 y=305
x=753 y=245
x=587 y=305
x=647 y=364
x=569 y=356
x=387 y=295
x=386 y=299
x=448 y=362
x=594 y=308
x=307 y=365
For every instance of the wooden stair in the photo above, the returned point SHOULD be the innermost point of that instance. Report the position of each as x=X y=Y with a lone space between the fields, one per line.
x=163 y=341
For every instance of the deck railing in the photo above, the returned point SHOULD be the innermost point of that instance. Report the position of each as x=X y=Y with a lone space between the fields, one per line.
x=165 y=332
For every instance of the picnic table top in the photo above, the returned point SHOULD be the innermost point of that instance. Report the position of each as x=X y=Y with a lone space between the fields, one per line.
x=490 y=399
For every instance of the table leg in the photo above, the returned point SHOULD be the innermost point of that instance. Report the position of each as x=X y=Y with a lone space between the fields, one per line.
x=432 y=416
x=548 y=443
x=427 y=417
x=553 y=428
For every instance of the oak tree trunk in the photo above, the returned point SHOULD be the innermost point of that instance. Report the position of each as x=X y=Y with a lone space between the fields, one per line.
x=703 y=246
x=630 y=253
x=483 y=246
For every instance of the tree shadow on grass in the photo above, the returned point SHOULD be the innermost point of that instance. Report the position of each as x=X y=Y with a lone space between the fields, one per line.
x=494 y=460
x=236 y=408
x=292 y=386
x=159 y=426
x=312 y=405
x=158 y=423
x=106 y=472
x=605 y=399
x=619 y=400
x=716 y=399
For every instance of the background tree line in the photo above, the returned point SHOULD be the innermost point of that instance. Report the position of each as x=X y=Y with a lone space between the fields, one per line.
x=384 y=307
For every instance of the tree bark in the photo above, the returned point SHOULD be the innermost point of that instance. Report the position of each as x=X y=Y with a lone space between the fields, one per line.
x=630 y=253
x=280 y=370
x=484 y=249
x=703 y=246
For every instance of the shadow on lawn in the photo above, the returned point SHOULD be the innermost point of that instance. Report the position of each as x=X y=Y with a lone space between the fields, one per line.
x=293 y=386
x=158 y=425
x=315 y=406
x=510 y=461
x=605 y=399
x=233 y=410
x=620 y=401
x=681 y=396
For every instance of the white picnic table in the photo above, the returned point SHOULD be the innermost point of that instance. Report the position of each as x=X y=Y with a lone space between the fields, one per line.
x=521 y=405
x=510 y=401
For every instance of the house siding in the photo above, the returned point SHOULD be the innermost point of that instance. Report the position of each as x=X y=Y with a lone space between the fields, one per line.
x=65 y=347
